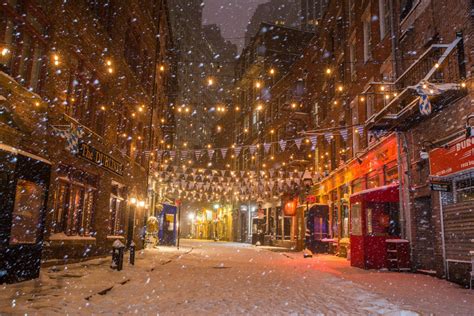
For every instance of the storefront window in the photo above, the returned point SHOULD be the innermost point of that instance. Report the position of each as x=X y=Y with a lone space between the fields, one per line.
x=356 y=223
x=382 y=219
x=74 y=202
x=358 y=185
x=465 y=190
x=117 y=210
x=29 y=202
x=391 y=173
x=345 y=220
x=373 y=180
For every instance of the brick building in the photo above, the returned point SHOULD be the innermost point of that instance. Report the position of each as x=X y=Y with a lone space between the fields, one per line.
x=378 y=152
x=91 y=74
x=262 y=64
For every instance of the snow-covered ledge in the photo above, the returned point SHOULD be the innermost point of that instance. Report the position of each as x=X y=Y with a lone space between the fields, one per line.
x=62 y=237
x=115 y=237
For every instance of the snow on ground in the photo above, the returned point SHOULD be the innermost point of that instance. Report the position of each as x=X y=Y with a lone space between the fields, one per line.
x=229 y=278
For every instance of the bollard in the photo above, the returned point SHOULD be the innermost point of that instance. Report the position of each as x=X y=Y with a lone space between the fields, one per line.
x=117 y=255
x=132 y=253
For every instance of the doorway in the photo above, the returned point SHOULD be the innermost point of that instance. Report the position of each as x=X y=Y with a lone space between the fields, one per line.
x=24 y=183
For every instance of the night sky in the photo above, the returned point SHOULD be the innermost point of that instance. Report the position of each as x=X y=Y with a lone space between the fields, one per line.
x=232 y=15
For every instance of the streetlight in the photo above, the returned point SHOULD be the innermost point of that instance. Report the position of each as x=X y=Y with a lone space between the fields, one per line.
x=307 y=182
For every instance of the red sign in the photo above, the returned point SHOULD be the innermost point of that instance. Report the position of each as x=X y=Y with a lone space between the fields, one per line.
x=311 y=199
x=458 y=157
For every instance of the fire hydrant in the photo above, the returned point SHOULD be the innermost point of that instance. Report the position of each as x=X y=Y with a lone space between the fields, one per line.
x=117 y=255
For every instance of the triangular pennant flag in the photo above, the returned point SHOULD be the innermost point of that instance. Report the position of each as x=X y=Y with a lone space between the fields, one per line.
x=282 y=144
x=298 y=142
x=344 y=134
x=328 y=136
x=237 y=151
x=197 y=153
x=314 y=140
x=224 y=152
x=210 y=152
x=360 y=129
x=267 y=147
x=184 y=154
x=252 y=149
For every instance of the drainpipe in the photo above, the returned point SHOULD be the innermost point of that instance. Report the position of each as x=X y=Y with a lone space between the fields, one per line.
x=394 y=36
x=401 y=181
x=443 y=245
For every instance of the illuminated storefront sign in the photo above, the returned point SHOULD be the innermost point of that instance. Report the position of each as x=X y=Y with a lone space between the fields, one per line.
x=459 y=156
x=99 y=158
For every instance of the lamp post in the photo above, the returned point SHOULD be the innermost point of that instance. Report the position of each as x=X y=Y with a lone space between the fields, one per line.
x=307 y=182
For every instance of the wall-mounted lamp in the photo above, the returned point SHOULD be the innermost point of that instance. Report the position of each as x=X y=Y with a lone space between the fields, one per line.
x=469 y=127
x=425 y=147
x=358 y=157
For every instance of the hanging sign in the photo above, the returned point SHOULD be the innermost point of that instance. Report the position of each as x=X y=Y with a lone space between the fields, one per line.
x=99 y=158
x=441 y=186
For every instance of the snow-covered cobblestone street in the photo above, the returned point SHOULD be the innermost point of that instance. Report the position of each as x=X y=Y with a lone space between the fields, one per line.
x=229 y=278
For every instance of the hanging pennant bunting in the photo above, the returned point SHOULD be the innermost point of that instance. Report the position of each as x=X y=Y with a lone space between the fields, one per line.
x=224 y=152
x=314 y=140
x=360 y=129
x=267 y=147
x=252 y=149
x=237 y=151
x=344 y=133
x=298 y=142
x=282 y=144
x=197 y=153
x=328 y=136
x=210 y=152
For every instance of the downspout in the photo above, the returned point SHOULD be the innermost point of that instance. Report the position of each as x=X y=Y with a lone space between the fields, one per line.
x=151 y=200
x=401 y=181
x=394 y=37
x=443 y=245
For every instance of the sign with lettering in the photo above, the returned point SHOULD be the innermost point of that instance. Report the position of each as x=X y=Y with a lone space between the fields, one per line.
x=99 y=158
x=440 y=186
x=459 y=156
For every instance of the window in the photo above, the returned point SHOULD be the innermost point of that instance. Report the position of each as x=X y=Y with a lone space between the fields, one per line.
x=366 y=24
x=465 y=190
x=84 y=96
x=29 y=202
x=74 y=202
x=406 y=6
x=358 y=185
x=391 y=173
x=384 y=18
x=352 y=59
x=104 y=11
x=23 y=33
x=373 y=180
x=117 y=209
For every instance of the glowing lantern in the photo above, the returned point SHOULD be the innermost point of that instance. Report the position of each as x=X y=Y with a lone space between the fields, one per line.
x=290 y=207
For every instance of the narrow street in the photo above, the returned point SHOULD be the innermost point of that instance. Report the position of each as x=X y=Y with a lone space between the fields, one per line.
x=230 y=278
